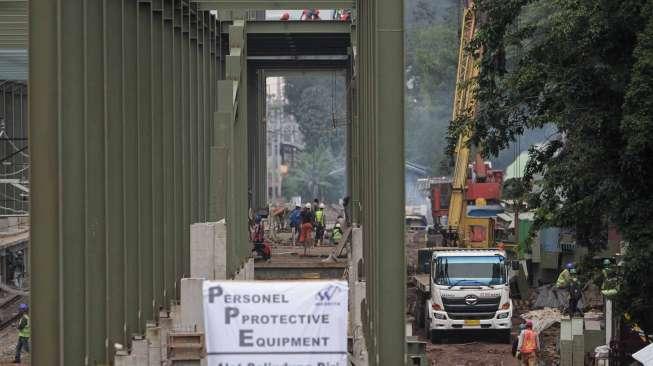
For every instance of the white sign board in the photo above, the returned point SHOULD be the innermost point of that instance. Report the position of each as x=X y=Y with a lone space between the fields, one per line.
x=266 y=323
x=645 y=355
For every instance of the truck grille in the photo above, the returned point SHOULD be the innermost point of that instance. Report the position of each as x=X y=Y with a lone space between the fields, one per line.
x=484 y=308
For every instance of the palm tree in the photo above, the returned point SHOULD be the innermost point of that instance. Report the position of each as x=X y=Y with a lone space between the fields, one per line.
x=312 y=176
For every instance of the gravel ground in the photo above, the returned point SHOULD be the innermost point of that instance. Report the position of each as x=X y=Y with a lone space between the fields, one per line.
x=8 y=338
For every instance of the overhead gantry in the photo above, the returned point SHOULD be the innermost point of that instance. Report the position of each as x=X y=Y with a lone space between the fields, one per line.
x=141 y=124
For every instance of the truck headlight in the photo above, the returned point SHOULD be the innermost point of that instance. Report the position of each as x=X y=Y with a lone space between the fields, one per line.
x=502 y=315
x=439 y=316
x=505 y=306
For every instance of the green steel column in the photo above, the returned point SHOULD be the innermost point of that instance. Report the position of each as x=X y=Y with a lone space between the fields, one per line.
x=131 y=177
x=113 y=125
x=385 y=146
x=180 y=198
x=145 y=161
x=70 y=120
x=242 y=131
x=157 y=187
x=200 y=116
x=238 y=148
x=94 y=188
x=46 y=152
x=186 y=137
x=225 y=198
x=194 y=121
x=168 y=161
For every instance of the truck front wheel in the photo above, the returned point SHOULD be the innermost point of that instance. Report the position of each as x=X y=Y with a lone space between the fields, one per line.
x=435 y=337
x=505 y=336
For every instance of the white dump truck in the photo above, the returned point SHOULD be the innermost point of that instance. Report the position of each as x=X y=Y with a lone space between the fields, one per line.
x=464 y=290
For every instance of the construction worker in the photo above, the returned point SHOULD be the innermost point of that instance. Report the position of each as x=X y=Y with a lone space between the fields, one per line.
x=295 y=223
x=306 y=232
x=319 y=224
x=528 y=345
x=23 y=332
x=610 y=280
x=565 y=276
x=336 y=234
x=285 y=16
x=257 y=236
x=310 y=14
x=568 y=280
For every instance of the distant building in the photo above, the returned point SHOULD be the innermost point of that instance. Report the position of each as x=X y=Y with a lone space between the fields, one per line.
x=284 y=139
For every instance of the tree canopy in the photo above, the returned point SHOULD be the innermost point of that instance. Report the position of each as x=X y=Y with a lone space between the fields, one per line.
x=585 y=67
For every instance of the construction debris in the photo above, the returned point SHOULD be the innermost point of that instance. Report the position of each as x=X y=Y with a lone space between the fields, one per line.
x=542 y=318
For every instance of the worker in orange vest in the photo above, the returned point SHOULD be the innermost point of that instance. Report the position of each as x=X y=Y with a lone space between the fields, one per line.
x=528 y=345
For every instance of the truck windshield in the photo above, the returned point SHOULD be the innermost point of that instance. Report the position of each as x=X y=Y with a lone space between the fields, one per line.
x=470 y=271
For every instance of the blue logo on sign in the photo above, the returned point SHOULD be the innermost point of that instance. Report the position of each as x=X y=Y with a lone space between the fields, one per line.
x=327 y=293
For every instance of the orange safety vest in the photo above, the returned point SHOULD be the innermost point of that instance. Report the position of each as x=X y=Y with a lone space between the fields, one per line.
x=529 y=343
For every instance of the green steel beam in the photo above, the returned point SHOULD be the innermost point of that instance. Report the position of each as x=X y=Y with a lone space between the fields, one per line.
x=270 y=5
x=46 y=253
x=179 y=178
x=158 y=182
x=168 y=160
x=146 y=222
x=389 y=174
x=131 y=170
x=297 y=27
x=115 y=283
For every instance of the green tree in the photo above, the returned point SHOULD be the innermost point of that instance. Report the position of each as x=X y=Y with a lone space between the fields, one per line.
x=584 y=66
x=318 y=102
x=431 y=59
x=316 y=175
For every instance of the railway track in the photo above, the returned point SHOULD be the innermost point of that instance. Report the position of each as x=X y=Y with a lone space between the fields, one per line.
x=5 y=306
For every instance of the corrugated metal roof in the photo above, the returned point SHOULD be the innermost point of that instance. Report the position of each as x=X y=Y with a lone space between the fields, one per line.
x=13 y=64
x=13 y=39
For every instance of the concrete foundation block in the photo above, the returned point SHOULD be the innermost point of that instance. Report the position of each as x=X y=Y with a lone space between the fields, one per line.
x=153 y=335
x=208 y=249
x=140 y=351
x=192 y=313
x=166 y=325
x=123 y=358
x=220 y=251
x=201 y=250
x=356 y=256
x=249 y=270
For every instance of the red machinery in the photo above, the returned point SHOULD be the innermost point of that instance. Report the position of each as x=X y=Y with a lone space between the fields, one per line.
x=482 y=192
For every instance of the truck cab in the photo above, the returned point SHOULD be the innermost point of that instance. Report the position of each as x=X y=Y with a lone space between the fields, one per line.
x=469 y=292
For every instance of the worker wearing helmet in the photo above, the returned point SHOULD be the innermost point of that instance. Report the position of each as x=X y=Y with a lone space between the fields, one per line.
x=306 y=233
x=295 y=222
x=565 y=275
x=336 y=234
x=528 y=345
x=319 y=224
x=610 y=280
x=23 y=332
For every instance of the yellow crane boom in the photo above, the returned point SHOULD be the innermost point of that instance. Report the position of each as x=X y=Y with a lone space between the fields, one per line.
x=469 y=231
x=464 y=104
